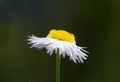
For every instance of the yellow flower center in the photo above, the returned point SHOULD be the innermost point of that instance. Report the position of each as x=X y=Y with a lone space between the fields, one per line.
x=62 y=35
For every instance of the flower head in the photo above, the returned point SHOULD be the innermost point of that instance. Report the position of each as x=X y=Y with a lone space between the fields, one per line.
x=62 y=40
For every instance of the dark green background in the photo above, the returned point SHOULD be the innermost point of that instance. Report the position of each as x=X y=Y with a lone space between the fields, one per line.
x=95 y=23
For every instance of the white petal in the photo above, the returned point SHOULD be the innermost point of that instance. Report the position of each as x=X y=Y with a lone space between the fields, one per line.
x=53 y=44
x=74 y=52
x=63 y=49
x=67 y=51
x=37 y=42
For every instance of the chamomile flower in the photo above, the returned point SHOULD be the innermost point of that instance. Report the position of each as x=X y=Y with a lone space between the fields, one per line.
x=62 y=40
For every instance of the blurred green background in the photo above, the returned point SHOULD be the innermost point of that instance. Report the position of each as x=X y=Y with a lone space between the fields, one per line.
x=95 y=23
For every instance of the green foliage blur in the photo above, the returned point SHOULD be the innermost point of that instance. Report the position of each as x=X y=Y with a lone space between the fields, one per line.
x=95 y=23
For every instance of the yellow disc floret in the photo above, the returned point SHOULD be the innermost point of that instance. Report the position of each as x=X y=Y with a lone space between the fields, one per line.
x=62 y=35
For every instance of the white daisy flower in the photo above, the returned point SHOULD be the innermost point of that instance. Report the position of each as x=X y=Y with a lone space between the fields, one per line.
x=62 y=40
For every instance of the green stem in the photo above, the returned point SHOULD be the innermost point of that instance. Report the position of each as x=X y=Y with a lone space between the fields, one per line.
x=58 y=66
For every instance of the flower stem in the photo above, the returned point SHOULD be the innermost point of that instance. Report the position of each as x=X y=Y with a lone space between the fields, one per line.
x=58 y=66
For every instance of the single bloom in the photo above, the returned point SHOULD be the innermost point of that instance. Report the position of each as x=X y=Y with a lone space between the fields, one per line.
x=62 y=40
